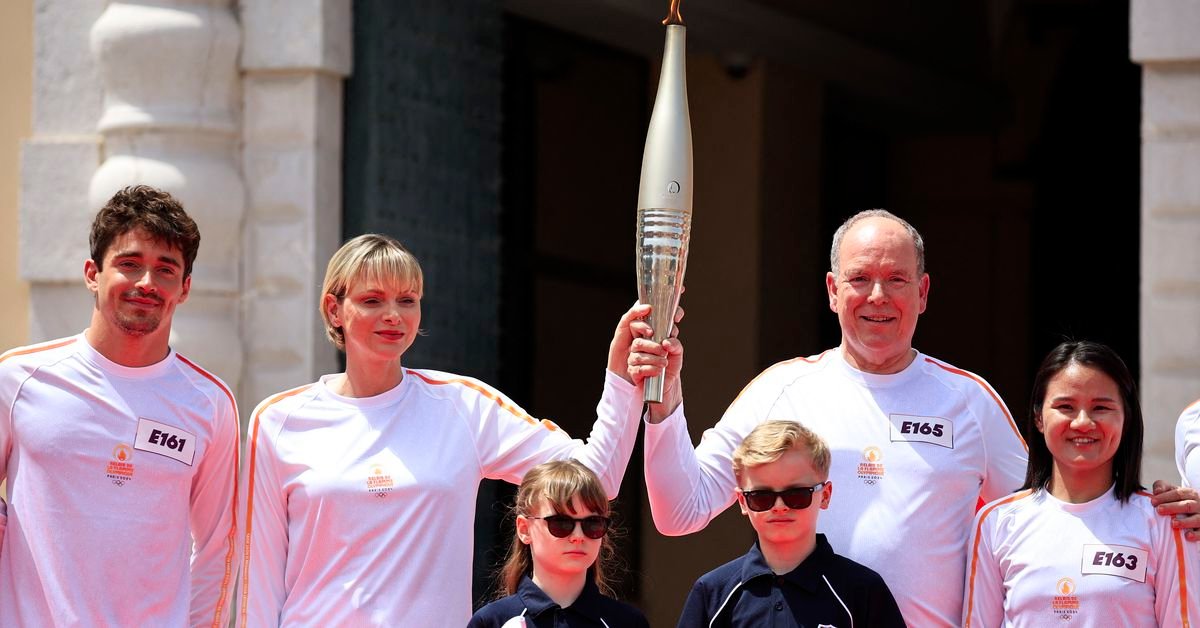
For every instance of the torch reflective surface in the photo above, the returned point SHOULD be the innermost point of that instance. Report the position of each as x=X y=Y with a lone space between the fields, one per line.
x=665 y=195
x=662 y=258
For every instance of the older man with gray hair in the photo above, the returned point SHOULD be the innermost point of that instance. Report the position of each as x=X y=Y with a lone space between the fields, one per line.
x=916 y=442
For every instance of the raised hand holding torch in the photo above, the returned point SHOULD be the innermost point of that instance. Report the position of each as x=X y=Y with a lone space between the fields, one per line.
x=665 y=194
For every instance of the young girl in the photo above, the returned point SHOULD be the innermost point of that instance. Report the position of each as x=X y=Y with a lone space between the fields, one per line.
x=556 y=568
x=1081 y=541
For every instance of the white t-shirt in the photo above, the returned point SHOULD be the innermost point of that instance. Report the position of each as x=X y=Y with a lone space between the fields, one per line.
x=1040 y=561
x=1187 y=445
x=361 y=511
x=122 y=484
x=912 y=453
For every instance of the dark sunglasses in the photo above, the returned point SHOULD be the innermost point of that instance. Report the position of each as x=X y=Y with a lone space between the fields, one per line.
x=561 y=526
x=796 y=498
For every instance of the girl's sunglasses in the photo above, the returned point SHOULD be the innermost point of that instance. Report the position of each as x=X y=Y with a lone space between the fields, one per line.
x=796 y=498
x=561 y=526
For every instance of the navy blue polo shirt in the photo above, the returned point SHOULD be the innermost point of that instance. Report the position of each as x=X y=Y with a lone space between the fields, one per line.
x=591 y=610
x=824 y=590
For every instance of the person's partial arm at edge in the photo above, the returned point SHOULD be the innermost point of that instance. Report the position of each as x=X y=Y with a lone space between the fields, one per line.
x=263 y=528
x=215 y=555
x=1187 y=445
x=1177 y=582
x=6 y=402
x=3 y=477
x=1182 y=503
x=983 y=594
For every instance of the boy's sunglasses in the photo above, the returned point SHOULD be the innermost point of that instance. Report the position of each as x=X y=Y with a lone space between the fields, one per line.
x=561 y=526
x=796 y=498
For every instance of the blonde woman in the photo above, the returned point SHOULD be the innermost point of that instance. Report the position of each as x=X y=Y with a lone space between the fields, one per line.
x=360 y=488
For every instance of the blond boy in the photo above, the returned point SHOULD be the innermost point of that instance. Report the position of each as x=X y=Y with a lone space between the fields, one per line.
x=791 y=576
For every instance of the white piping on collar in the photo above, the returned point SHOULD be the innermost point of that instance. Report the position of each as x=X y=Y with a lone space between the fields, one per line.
x=839 y=599
x=723 y=604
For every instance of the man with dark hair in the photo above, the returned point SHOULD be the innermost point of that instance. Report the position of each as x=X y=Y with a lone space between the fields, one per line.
x=152 y=210
x=120 y=454
x=916 y=441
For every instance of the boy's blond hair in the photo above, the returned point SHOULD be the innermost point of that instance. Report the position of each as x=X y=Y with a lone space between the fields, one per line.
x=772 y=439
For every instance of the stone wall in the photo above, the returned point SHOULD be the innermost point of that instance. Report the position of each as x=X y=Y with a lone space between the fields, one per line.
x=57 y=164
x=1163 y=40
x=295 y=57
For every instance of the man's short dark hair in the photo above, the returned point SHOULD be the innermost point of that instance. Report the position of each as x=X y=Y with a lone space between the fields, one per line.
x=152 y=210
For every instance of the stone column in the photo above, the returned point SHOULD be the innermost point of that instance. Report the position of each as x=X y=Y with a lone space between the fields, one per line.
x=57 y=163
x=170 y=120
x=297 y=54
x=1163 y=40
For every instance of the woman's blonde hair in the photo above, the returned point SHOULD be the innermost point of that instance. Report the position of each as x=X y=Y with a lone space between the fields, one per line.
x=772 y=439
x=369 y=257
x=557 y=482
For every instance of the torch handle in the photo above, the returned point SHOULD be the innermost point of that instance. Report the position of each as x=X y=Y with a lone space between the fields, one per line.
x=652 y=390
x=662 y=236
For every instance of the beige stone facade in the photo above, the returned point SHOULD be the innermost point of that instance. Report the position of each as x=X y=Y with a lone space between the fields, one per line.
x=244 y=122
x=16 y=62
x=1164 y=42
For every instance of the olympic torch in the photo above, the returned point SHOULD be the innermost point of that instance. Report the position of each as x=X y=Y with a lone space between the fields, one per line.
x=665 y=194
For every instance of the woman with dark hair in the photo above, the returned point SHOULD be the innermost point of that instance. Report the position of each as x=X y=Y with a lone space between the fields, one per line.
x=1081 y=540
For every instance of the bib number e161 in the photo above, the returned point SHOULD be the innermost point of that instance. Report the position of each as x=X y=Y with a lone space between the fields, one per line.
x=166 y=440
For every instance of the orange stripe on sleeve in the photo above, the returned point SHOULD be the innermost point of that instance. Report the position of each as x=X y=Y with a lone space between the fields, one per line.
x=486 y=392
x=975 y=547
x=232 y=536
x=973 y=377
x=809 y=360
x=253 y=459
x=1183 y=592
x=26 y=351
x=1177 y=536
